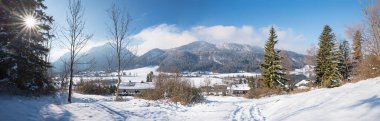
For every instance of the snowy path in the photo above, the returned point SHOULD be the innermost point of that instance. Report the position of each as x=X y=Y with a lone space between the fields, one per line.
x=246 y=112
x=116 y=115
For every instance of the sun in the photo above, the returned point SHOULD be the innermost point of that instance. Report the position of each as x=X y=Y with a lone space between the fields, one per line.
x=30 y=21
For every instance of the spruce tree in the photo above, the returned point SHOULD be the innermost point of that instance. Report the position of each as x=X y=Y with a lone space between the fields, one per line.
x=24 y=29
x=345 y=64
x=357 y=50
x=272 y=71
x=327 y=69
x=336 y=67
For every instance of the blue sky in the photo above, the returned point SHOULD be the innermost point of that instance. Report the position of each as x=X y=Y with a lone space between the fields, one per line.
x=301 y=18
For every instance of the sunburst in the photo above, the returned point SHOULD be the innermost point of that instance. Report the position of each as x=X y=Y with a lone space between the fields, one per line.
x=30 y=21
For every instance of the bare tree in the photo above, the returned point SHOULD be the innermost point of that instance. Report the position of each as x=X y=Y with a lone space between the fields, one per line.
x=310 y=57
x=64 y=74
x=75 y=37
x=286 y=62
x=207 y=82
x=350 y=30
x=49 y=44
x=369 y=67
x=118 y=31
x=371 y=10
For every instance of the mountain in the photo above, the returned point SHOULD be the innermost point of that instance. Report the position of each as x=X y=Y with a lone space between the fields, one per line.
x=225 y=57
x=195 y=56
x=152 y=57
x=97 y=58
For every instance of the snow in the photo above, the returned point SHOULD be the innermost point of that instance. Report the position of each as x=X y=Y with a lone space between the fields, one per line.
x=136 y=85
x=358 y=101
x=307 y=70
x=217 y=61
x=140 y=73
x=239 y=87
x=216 y=79
x=199 y=81
x=245 y=74
x=352 y=101
x=301 y=83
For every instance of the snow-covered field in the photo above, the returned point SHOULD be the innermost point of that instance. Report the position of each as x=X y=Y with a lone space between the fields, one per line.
x=140 y=74
x=359 y=101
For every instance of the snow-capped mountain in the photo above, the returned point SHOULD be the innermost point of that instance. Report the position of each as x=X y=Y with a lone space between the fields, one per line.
x=238 y=47
x=196 y=56
x=97 y=58
x=225 y=57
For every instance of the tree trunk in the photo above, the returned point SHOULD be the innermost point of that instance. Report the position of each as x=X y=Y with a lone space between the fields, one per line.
x=117 y=86
x=71 y=82
x=117 y=98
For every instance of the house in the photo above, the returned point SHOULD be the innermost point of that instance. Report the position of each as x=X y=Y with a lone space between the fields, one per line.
x=215 y=89
x=133 y=88
x=238 y=89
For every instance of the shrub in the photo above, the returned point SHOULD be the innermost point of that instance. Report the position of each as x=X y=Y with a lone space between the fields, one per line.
x=151 y=94
x=261 y=92
x=173 y=88
x=97 y=87
x=367 y=68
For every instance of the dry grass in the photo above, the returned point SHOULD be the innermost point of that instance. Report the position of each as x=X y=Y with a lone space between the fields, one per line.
x=367 y=68
x=295 y=91
x=261 y=92
x=97 y=87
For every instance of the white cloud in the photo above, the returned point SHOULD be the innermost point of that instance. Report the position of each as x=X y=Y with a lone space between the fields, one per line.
x=288 y=39
x=166 y=36
x=227 y=34
x=162 y=36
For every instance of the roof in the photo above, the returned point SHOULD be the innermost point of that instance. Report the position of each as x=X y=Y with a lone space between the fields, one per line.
x=239 y=87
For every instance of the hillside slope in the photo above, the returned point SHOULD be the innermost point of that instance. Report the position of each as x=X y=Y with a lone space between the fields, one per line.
x=358 y=101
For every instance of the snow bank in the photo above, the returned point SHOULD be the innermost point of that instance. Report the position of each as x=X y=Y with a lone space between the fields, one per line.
x=359 y=101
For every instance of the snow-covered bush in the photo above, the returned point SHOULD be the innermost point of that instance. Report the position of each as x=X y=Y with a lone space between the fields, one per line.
x=173 y=88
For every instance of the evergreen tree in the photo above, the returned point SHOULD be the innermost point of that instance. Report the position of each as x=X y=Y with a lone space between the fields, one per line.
x=357 y=50
x=272 y=71
x=149 y=77
x=251 y=82
x=345 y=64
x=327 y=69
x=24 y=29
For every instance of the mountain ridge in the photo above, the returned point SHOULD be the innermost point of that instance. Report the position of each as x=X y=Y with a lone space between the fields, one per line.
x=196 y=56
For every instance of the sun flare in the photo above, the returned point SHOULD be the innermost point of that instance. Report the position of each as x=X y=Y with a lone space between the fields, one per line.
x=30 y=21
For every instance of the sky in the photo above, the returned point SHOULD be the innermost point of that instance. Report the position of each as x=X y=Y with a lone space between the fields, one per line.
x=167 y=24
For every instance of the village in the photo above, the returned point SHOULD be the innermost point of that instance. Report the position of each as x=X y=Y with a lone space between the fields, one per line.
x=219 y=84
